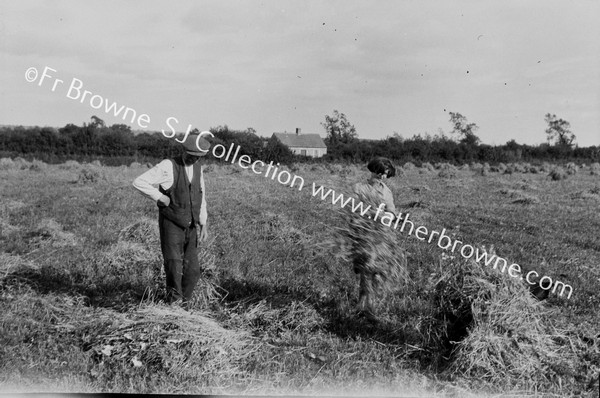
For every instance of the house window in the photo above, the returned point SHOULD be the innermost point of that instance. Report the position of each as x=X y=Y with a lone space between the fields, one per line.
x=303 y=152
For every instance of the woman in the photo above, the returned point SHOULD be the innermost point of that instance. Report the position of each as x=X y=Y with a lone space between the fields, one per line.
x=375 y=254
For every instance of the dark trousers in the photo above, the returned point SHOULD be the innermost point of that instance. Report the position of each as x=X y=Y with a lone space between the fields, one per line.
x=179 y=249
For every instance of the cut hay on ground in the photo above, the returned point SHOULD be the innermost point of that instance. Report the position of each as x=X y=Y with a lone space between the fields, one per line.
x=298 y=316
x=278 y=227
x=526 y=199
x=6 y=208
x=10 y=263
x=50 y=231
x=520 y=197
x=592 y=194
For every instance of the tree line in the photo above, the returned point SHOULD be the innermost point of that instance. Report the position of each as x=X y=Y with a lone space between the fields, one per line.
x=117 y=144
x=459 y=147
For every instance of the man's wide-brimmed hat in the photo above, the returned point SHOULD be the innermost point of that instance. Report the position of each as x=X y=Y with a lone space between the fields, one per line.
x=195 y=144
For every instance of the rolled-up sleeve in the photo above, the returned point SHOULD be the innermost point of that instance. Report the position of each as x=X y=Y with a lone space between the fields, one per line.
x=203 y=213
x=149 y=182
x=388 y=199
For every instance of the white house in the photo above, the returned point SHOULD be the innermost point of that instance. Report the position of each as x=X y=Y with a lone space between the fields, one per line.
x=303 y=144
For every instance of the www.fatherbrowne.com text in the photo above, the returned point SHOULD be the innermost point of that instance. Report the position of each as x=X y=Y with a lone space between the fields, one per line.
x=96 y=101
x=442 y=240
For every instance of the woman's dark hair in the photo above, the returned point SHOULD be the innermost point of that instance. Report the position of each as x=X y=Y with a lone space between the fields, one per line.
x=379 y=165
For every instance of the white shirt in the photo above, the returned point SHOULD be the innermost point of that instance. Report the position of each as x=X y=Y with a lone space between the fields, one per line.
x=162 y=174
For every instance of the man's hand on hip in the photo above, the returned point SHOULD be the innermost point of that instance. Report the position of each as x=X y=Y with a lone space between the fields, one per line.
x=165 y=200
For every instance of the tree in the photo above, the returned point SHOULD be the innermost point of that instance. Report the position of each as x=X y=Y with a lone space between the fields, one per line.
x=464 y=129
x=277 y=152
x=339 y=129
x=96 y=122
x=559 y=131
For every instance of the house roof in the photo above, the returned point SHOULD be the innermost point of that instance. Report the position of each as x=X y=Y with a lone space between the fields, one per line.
x=293 y=140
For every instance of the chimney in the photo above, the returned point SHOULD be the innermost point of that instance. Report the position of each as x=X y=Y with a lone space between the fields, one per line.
x=297 y=130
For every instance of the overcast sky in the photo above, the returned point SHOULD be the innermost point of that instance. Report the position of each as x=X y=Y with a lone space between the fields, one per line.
x=390 y=66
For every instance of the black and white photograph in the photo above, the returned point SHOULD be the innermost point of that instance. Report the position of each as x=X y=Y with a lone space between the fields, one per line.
x=300 y=198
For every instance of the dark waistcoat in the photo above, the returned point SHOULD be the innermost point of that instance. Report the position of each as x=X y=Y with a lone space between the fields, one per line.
x=186 y=196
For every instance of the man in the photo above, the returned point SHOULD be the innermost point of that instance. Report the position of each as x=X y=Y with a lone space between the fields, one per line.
x=177 y=187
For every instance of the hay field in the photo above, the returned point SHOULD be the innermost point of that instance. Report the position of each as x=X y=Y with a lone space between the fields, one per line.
x=80 y=289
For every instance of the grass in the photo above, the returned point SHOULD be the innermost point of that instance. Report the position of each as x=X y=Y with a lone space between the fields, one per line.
x=275 y=311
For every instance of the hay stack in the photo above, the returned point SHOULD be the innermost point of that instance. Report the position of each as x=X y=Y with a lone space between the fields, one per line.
x=21 y=164
x=447 y=173
x=89 y=174
x=144 y=231
x=186 y=345
x=476 y=166
x=69 y=165
x=485 y=169
x=558 y=174
x=504 y=332
x=546 y=167
x=408 y=166
x=571 y=168
x=128 y=261
x=427 y=166
x=446 y=170
x=7 y=164
x=37 y=165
